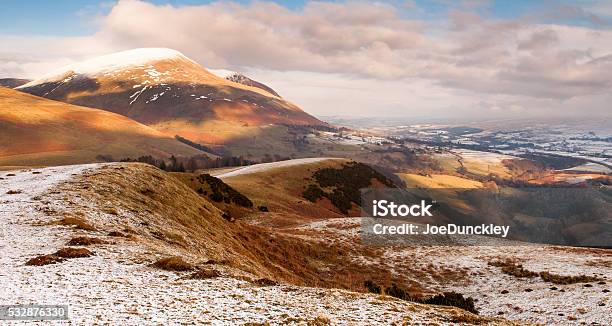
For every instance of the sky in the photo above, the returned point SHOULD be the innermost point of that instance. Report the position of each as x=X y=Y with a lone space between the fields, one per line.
x=469 y=59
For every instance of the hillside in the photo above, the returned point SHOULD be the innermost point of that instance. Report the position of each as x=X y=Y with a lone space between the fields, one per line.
x=173 y=94
x=283 y=187
x=105 y=228
x=431 y=268
x=37 y=131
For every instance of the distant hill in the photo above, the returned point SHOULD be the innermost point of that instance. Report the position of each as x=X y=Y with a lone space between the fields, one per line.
x=37 y=131
x=13 y=82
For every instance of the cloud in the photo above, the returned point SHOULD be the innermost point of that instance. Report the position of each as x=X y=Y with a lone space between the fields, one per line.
x=374 y=40
x=470 y=56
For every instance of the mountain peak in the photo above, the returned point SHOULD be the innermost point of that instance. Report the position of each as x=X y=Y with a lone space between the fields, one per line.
x=163 y=88
x=107 y=64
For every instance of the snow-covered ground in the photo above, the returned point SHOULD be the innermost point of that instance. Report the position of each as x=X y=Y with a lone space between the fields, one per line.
x=482 y=157
x=526 y=299
x=255 y=168
x=116 y=285
x=590 y=167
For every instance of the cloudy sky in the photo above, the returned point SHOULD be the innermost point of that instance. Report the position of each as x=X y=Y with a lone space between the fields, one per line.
x=437 y=58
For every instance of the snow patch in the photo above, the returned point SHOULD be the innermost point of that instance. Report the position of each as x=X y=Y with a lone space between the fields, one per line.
x=137 y=94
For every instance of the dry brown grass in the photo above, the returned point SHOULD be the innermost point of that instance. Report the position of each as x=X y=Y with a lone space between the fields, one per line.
x=280 y=189
x=175 y=263
x=202 y=232
x=320 y=320
x=317 y=264
x=600 y=263
x=265 y=282
x=118 y=234
x=69 y=252
x=59 y=256
x=77 y=222
x=462 y=317
x=44 y=260
x=562 y=279
x=511 y=267
x=203 y=274
x=85 y=241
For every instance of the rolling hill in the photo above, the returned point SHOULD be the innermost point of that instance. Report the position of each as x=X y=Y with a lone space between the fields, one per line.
x=37 y=131
x=173 y=94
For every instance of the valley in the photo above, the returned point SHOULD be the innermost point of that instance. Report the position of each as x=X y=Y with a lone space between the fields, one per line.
x=141 y=187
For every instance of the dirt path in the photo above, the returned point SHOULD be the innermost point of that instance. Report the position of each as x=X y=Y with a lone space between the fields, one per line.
x=267 y=166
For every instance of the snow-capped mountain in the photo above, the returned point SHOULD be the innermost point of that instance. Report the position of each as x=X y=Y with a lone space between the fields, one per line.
x=239 y=78
x=165 y=89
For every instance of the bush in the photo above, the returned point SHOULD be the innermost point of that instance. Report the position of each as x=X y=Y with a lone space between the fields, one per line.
x=216 y=197
x=175 y=263
x=117 y=234
x=372 y=287
x=73 y=253
x=204 y=274
x=85 y=241
x=511 y=268
x=346 y=183
x=44 y=260
x=77 y=222
x=313 y=193
x=265 y=282
x=222 y=192
x=560 y=279
x=453 y=299
x=396 y=291
x=227 y=216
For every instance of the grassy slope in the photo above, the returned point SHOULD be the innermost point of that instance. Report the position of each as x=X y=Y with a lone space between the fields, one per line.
x=280 y=189
x=161 y=212
x=438 y=181
x=164 y=213
x=37 y=131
